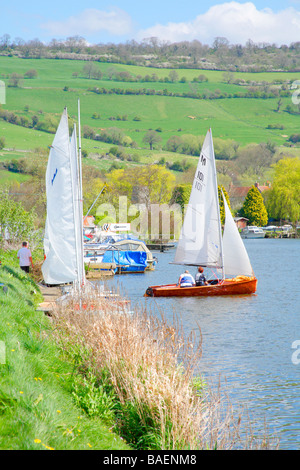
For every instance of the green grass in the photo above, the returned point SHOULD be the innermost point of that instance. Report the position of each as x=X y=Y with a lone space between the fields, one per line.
x=244 y=120
x=37 y=409
x=8 y=177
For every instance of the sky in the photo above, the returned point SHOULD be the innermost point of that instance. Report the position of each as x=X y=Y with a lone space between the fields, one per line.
x=119 y=21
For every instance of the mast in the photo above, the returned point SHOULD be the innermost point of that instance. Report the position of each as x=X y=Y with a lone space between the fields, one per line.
x=217 y=202
x=75 y=197
x=82 y=273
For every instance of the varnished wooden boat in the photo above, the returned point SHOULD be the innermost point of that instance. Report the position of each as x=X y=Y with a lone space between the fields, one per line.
x=203 y=242
x=241 y=285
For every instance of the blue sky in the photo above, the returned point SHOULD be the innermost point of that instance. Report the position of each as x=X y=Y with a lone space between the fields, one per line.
x=102 y=21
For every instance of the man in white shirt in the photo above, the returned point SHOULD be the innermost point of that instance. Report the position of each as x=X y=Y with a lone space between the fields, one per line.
x=186 y=280
x=25 y=258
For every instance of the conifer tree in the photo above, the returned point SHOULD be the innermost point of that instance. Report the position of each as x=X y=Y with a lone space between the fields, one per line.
x=254 y=209
x=181 y=195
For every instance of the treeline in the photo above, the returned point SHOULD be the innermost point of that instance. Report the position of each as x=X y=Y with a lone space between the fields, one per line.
x=186 y=144
x=39 y=121
x=221 y=55
x=251 y=92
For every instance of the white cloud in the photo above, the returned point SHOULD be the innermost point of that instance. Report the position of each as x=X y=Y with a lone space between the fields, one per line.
x=238 y=22
x=92 y=21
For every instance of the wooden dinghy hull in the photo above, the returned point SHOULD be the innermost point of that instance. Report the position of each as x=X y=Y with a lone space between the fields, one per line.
x=241 y=285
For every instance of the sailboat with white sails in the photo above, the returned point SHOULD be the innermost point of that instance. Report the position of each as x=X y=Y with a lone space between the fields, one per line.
x=202 y=242
x=63 y=240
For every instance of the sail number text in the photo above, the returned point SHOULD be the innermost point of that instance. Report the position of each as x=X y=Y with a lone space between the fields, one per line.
x=199 y=180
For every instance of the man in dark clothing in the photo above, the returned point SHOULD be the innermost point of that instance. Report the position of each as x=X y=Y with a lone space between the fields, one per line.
x=200 y=278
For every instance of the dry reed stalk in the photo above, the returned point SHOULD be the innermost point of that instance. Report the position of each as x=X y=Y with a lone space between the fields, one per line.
x=151 y=365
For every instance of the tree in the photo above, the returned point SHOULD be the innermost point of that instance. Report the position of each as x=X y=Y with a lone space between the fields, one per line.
x=90 y=70
x=174 y=143
x=152 y=138
x=283 y=200
x=181 y=195
x=14 y=220
x=173 y=76
x=2 y=143
x=254 y=159
x=221 y=202
x=4 y=41
x=254 y=209
x=15 y=80
x=32 y=73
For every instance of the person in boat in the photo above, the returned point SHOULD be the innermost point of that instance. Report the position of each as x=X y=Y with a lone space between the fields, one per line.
x=186 y=280
x=200 y=278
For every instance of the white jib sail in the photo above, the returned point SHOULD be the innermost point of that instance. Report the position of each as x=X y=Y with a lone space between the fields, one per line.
x=60 y=265
x=200 y=242
x=236 y=259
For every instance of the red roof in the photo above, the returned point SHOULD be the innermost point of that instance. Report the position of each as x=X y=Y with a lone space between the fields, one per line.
x=242 y=191
x=89 y=221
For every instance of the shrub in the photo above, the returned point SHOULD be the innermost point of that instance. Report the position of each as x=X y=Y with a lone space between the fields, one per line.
x=2 y=143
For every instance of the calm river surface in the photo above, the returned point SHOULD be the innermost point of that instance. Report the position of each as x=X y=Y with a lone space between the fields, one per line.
x=246 y=340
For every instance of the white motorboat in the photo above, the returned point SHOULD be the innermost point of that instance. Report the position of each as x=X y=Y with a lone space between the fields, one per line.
x=252 y=231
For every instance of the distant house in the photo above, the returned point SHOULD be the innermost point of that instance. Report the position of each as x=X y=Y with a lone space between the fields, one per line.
x=241 y=222
x=89 y=224
x=237 y=194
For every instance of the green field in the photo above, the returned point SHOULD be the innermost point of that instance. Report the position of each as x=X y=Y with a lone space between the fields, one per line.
x=244 y=120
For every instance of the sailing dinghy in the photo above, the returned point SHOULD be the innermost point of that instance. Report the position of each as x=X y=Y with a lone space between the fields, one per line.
x=63 y=240
x=202 y=243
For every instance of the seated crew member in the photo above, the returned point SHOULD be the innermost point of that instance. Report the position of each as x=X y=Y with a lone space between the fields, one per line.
x=200 y=277
x=186 y=280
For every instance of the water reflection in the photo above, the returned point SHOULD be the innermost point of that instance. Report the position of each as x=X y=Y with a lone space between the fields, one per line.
x=246 y=340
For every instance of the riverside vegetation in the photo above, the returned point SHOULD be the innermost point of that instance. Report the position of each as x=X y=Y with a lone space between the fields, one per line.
x=81 y=379
x=93 y=387
x=136 y=120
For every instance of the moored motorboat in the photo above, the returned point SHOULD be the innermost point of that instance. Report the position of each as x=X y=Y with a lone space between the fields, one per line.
x=252 y=231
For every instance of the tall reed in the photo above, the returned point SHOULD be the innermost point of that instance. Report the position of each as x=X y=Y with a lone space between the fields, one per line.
x=150 y=366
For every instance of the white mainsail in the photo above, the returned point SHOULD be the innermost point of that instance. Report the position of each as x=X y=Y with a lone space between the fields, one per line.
x=61 y=263
x=236 y=260
x=200 y=242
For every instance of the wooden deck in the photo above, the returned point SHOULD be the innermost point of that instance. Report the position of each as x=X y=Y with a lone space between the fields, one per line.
x=50 y=295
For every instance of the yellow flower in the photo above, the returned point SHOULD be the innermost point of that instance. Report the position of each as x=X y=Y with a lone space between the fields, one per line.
x=89 y=444
x=47 y=447
x=37 y=441
x=12 y=350
x=58 y=411
x=21 y=392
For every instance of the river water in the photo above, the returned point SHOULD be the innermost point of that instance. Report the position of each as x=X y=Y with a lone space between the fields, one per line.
x=246 y=340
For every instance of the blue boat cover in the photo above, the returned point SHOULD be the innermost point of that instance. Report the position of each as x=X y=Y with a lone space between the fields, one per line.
x=128 y=258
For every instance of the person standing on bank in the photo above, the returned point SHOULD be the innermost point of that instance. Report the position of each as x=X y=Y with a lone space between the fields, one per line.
x=25 y=258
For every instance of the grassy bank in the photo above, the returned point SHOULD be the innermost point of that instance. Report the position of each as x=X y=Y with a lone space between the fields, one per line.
x=95 y=375
x=37 y=407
